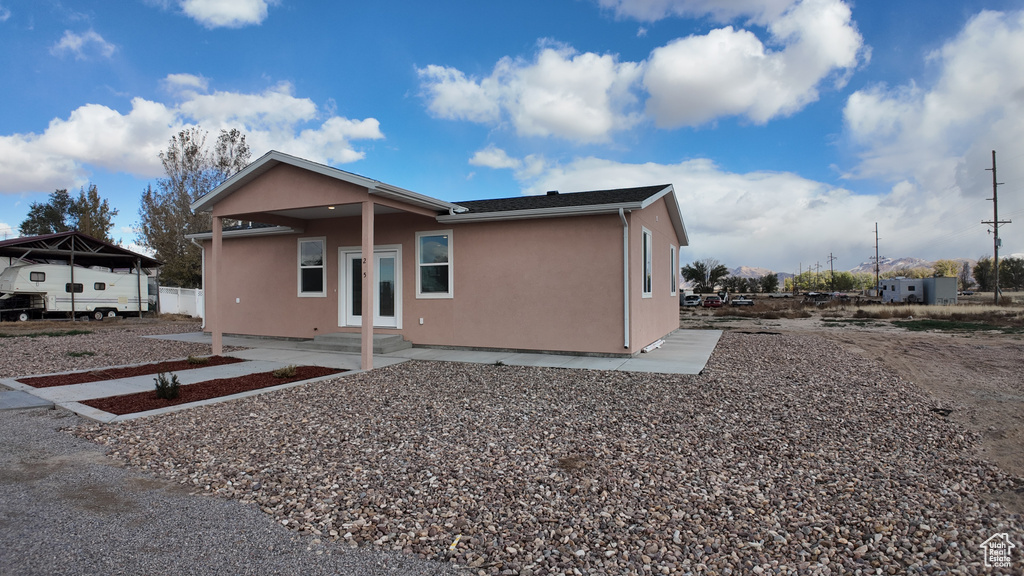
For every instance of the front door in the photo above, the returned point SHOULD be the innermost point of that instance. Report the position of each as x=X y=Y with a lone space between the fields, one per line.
x=387 y=268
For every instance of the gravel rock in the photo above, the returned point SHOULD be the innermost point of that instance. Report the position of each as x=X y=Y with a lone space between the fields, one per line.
x=105 y=346
x=786 y=455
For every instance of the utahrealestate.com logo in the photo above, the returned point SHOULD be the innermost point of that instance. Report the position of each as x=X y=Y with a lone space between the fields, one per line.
x=997 y=550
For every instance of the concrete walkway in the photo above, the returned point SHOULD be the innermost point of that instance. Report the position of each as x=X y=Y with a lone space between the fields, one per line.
x=684 y=352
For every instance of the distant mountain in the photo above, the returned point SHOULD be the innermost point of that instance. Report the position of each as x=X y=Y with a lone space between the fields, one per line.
x=890 y=264
x=748 y=272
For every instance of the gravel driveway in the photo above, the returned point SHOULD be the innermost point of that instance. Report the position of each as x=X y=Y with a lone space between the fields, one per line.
x=66 y=509
x=787 y=455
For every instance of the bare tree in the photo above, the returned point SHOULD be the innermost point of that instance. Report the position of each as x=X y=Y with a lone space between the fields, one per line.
x=192 y=171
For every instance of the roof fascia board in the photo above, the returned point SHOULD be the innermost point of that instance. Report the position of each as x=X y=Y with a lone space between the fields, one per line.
x=272 y=158
x=541 y=212
x=270 y=231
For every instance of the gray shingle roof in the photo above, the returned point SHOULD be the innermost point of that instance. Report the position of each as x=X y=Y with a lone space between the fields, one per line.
x=572 y=199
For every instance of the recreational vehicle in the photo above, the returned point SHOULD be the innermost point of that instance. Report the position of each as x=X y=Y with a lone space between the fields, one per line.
x=38 y=290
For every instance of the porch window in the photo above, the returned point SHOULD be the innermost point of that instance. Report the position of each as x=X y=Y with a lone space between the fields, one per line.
x=312 y=270
x=673 y=268
x=434 y=264
x=648 y=245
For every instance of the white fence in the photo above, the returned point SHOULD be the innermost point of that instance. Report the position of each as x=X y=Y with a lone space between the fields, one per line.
x=187 y=301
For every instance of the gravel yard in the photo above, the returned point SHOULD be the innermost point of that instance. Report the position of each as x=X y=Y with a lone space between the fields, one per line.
x=111 y=343
x=788 y=455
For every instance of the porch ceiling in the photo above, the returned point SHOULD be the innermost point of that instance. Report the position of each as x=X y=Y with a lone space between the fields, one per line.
x=338 y=211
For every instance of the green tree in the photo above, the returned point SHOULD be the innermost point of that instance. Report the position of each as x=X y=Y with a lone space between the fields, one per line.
x=88 y=213
x=946 y=268
x=984 y=274
x=1011 y=273
x=769 y=283
x=705 y=274
x=193 y=170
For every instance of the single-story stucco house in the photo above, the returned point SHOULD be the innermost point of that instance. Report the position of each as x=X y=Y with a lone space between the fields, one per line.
x=586 y=272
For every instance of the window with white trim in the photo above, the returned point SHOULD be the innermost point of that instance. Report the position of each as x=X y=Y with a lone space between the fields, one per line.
x=434 y=265
x=673 y=267
x=312 y=267
x=648 y=260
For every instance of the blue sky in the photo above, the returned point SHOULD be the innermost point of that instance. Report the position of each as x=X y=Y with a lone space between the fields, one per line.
x=788 y=127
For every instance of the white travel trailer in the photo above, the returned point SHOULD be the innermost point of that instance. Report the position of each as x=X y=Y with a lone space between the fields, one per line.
x=37 y=290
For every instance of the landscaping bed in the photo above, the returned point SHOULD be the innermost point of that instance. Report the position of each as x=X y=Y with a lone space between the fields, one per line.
x=127 y=372
x=144 y=401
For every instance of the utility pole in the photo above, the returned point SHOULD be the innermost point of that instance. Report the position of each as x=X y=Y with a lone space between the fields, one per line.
x=995 y=222
x=831 y=272
x=877 y=280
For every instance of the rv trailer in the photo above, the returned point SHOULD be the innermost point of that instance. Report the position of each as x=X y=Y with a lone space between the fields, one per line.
x=39 y=290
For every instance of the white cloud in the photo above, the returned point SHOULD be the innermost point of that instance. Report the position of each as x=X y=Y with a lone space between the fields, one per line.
x=493 y=157
x=562 y=93
x=587 y=97
x=96 y=136
x=6 y=230
x=730 y=72
x=776 y=219
x=83 y=45
x=5 y=14
x=940 y=136
x=226 y=13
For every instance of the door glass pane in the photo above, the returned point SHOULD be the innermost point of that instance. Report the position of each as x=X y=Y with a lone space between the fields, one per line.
x=357 y=287
x=386 y=284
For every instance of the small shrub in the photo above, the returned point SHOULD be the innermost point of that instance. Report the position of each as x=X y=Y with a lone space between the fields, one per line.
x=197 y=360
x=167 y=388
x=81 y=354
x=499 y=363
x=286 y=372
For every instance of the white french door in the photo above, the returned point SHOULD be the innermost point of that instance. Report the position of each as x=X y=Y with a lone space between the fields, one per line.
x=387 y=280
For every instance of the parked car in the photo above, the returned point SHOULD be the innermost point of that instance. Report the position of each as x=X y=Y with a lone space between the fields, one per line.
x=692 y=300
x=712 y=301
x=742 y=301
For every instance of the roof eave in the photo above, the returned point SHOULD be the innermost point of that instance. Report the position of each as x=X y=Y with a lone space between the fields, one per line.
x=274 y=158
x=248 y=232
x=561 y=211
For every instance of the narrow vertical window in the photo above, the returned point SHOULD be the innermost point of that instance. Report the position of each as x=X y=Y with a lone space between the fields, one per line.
x=312 y=271
x=434 y=264
x=648 y=279
x=673 y=267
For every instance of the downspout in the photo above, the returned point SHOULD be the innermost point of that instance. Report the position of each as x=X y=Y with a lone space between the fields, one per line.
x=202 y=256
x=625 y=279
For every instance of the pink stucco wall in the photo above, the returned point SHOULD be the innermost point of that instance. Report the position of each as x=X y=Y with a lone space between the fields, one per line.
x=544 y=284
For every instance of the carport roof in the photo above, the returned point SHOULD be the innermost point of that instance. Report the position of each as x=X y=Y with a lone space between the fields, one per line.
x=88 y=251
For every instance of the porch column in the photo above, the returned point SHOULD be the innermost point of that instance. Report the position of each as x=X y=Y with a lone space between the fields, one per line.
x=212 y=292
x=366 y=362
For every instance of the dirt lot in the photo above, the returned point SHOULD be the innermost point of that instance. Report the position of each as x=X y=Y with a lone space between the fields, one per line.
x=977 y=376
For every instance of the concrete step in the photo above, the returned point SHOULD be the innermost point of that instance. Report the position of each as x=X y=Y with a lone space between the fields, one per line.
x=349 y=342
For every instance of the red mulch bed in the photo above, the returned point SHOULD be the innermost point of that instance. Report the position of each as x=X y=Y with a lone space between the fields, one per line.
x=143 y=401
x=126 y=372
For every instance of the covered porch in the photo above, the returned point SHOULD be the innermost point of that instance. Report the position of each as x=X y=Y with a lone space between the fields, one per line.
x=290 y=196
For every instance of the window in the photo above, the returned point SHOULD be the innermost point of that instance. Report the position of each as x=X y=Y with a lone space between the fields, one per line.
x=79 y=288
x=434 y=264
x=648 y=263
x=673 y=269
x=911 y=288
x=37 y=276
x=312 y=271
x=99 y=286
